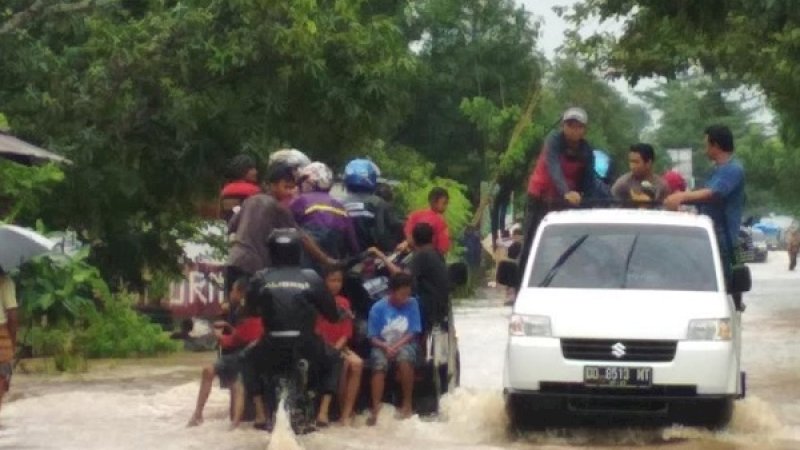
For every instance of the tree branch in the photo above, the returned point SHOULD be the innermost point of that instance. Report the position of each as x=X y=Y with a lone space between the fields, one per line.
x=38 y=8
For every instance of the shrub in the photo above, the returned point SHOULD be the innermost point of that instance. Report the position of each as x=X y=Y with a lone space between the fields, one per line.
x=74 y=316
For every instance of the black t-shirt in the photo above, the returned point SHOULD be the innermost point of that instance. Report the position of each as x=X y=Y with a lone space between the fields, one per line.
x=432 y=285
x=514 y=250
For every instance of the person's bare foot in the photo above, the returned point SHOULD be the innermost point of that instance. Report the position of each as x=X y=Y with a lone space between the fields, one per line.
x=372 y=420
x=194 y=421
x=403 y=414
x=348 y=422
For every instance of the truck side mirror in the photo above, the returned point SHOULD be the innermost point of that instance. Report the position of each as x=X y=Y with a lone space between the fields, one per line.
x=507 y=273
x=741 y=280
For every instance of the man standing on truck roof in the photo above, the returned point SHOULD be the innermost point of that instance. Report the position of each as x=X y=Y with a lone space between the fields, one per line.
x=722 y=198
x=564 y=174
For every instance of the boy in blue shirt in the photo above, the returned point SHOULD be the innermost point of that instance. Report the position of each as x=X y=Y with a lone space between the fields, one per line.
x=393 y=326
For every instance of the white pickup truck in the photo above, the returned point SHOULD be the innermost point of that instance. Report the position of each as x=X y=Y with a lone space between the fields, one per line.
x=623 y=315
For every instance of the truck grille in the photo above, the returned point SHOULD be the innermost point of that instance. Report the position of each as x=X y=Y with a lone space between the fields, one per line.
x=618 y=350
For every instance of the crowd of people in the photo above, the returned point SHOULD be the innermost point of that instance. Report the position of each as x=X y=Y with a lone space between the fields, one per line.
x=566 y=175
x=289 y=239
x=290 y=235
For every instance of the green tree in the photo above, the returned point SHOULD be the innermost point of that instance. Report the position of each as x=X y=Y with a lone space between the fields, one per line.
x=150 y=99
x=743 y=42
x=467 y=49
x=688 y=105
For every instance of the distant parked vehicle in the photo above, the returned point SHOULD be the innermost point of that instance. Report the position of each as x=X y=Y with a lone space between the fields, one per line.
x=753 y=245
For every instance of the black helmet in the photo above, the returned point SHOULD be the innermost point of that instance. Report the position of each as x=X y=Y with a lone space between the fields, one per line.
x=285 y=247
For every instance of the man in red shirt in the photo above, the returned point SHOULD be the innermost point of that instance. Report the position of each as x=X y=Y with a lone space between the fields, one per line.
x=564 y=174
x=438 y=199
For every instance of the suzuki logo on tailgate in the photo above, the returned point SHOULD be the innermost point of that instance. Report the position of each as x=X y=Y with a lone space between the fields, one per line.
x=618 y=350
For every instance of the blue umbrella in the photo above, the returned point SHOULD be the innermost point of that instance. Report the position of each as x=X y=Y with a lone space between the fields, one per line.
x=18 y=245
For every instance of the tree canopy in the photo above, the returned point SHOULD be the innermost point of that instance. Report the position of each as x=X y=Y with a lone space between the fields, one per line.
x=739 y=42
x=151 y=99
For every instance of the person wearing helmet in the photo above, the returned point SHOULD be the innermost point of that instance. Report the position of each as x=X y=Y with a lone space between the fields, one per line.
x=324 y=218
x=564 y=174
x=293 y=158
x=371 y=214
x=243 y=183
x=290 y=298
x=260 y=215
x=641 y=184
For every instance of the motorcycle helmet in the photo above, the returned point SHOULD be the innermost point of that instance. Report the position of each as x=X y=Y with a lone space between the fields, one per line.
x=291 y=157
x=316 y=176
x=285 y=247
x=361 y=175
x=602 y=164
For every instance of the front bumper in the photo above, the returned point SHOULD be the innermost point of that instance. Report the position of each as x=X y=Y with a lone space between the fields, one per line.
x=703 y=368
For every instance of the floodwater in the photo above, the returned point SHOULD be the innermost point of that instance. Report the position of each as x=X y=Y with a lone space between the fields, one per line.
x=145 y=404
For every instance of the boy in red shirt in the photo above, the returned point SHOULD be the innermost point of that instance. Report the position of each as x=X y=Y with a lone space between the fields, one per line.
x=336 y=336
x=438 y=199
x=229 y=366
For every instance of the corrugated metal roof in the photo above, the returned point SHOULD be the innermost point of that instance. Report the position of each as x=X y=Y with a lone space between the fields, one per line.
x=17 y=149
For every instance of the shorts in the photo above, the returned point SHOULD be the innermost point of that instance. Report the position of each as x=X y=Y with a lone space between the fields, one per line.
x=228 y=368
x=6 y=370
x=380 y=363
x=6 y=354
x=331 y=368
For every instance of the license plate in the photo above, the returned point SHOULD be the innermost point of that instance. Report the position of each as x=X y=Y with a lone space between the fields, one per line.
x=634 y=377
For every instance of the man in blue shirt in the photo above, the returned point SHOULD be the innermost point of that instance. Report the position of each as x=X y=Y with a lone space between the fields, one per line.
x=393 y=326
x=722 y=198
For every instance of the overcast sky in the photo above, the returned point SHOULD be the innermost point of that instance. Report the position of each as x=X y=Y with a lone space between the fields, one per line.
x=553 y=27
x=552 y=37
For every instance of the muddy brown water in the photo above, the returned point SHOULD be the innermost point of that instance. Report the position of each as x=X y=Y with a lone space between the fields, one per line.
x=145 y=404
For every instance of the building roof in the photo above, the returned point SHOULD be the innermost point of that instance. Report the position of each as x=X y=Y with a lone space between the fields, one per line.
x=25 y=153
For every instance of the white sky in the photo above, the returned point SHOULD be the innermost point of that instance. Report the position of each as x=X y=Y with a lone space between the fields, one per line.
x=553 y=27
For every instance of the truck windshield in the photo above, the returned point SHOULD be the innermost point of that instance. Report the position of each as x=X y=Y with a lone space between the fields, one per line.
x=614 y=256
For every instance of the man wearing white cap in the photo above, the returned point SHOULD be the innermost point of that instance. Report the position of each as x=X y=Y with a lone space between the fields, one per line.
x=564 y=173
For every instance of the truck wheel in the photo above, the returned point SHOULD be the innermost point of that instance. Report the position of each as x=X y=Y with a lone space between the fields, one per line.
x=523 y=414
x=712 y=414
x=718 y=414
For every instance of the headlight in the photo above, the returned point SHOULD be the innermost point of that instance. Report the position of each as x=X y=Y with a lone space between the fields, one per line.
x=523 y=325
x=710 y=330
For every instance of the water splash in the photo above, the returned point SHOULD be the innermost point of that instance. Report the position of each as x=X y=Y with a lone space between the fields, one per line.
x=476 y=414
x=283 y=438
